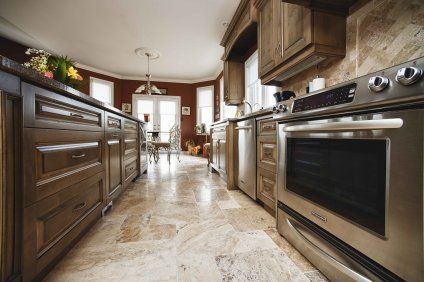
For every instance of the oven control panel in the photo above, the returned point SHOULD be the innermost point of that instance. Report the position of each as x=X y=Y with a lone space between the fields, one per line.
x=337 y=96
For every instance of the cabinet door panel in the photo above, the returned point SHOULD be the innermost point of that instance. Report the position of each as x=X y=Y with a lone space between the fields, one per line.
x=222 y=155
x=56 y=159
x=51 y=225
x=266 y=40
x=267 y=152
x=266 y=187
x=114 y=152
x=296 y=29
x=47 y=109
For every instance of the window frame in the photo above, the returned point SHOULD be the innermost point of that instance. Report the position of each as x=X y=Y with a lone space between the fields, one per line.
x=104 y=82
x=198 y=89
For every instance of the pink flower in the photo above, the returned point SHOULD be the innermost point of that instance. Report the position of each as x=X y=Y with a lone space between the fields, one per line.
x=48 y=74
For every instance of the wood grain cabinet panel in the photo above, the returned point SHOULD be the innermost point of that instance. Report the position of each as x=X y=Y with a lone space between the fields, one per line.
x=114 y=122
x=47 y=109
x=266 y=187
x=267 y=127
x=233 y=82
x=56 y=159
x=267 y=152
x=130 y=145
x=130 y=126
x=11 y=191
x=130 y=171
x=292 y=38
x=114 y=167
x=54 y=223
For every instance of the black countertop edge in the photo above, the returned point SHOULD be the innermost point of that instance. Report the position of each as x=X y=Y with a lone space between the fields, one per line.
x=256 y=114
x=33 y=76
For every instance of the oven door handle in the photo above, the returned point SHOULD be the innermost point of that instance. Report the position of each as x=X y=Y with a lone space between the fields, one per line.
x=390 y=123
x=244 y=127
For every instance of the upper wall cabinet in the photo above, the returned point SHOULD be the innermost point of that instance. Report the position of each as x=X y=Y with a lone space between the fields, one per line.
x=238 y=40
x=241 y=33
x=292 y=38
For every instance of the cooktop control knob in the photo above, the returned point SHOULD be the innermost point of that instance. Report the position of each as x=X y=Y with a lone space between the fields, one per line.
x=378 y=83
x=275 y=109
x=408 y=75
x=282 y=108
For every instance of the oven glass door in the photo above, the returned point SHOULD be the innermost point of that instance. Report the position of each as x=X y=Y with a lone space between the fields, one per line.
x=346 y=176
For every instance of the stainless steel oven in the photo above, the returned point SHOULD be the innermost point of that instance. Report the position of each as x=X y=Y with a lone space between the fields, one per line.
x=350 y=180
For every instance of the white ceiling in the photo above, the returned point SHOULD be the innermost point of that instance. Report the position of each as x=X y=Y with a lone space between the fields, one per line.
x=103 y=34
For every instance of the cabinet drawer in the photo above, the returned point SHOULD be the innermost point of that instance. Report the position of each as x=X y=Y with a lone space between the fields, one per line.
x=53 y=223
x=130 y=146
x=266 y=187
x=56 y=159
x=113 y=122
x=130 y=170
x=46 y=109
x=130 y=126
x=267 y=152
x=267 y=127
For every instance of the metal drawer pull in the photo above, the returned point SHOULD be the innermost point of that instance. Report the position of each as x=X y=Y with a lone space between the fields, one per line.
x=76 y=115
x=115 y=135
x=244 y=127
x=79 y=207
x=78 y=157
x=269 y=127
x=348 y=125
x=113 y=123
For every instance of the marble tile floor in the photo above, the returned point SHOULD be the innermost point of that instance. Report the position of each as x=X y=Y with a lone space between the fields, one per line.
x=180 y=223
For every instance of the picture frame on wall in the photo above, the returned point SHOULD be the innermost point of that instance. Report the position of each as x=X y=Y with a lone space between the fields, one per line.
x=126 y=107
x=185 y=111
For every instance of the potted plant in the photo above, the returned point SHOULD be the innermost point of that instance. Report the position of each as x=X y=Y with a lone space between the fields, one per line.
x=190 y=144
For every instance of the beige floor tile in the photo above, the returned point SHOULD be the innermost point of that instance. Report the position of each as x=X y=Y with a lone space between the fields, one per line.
x=178 y=222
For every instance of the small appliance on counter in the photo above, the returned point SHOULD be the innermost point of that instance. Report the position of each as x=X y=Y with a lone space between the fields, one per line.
x=283 y=95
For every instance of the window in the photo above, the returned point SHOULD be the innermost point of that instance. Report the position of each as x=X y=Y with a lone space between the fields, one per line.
x=101 y=90
x=205 y=106
x=256 y=94
x=226 y=111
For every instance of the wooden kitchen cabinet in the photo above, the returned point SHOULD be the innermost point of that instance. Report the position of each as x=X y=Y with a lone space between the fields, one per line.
x=266 y=161
x=114 y=166
x=63 y=156
x=292 y=38
x=11 y=193
x=234 y=87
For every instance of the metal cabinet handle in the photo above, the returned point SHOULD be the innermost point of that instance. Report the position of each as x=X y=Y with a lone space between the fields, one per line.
x=243 y=127
x=131 y=168
x=115 y=135
x=113 y=123
x=266 y=127
x=79 y=207
x=76 y=115
x=347 y=125
x=78 y=156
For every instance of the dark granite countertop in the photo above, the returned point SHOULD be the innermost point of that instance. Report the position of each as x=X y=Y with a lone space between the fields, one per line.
x=33 y=76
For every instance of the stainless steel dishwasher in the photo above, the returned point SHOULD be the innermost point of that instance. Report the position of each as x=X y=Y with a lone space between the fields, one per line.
x=246 y=163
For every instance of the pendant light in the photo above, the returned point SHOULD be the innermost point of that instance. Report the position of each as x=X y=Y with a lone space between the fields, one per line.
x=150 y=54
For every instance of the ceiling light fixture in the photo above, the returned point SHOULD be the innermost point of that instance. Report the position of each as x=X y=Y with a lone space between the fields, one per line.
x=150 y=54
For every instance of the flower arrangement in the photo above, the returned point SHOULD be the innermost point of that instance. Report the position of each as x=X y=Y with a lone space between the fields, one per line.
x=60 y=68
